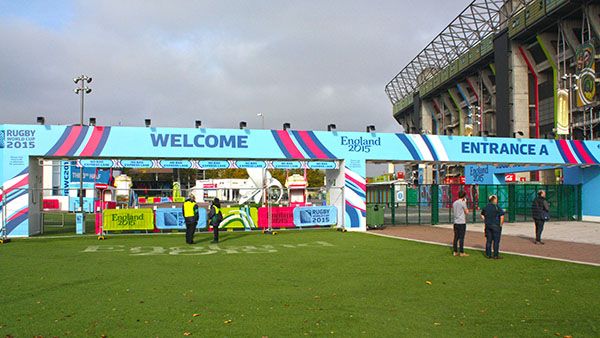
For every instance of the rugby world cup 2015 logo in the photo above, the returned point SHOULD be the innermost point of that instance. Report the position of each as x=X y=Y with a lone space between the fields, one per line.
x=1 y=138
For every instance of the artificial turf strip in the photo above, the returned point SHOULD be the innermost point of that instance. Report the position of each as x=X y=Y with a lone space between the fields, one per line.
x=360 y=285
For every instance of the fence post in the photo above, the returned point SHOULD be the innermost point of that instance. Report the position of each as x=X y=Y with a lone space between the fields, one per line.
x=393 y=203
x=435 y=217
x=579 y=208
x=512 y=203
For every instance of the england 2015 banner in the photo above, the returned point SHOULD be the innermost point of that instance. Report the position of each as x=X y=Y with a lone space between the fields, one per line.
x=203 y=147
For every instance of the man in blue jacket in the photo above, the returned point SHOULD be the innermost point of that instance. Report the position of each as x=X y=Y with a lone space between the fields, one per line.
x=493 y=217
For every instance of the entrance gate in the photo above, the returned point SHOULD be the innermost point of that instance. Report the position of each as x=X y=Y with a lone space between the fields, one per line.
x=432 y=204
x=21 y=146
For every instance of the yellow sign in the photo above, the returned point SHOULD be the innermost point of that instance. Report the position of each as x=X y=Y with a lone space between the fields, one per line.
x=128 y=219
x=562 y=114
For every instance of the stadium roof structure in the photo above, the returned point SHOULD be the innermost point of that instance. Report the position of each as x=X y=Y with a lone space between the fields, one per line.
x=476 y=22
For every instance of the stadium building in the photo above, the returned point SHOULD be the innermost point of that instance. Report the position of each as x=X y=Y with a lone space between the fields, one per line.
x=506 y=68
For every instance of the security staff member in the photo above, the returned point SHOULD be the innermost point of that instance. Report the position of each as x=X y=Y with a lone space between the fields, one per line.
x=493 y=217
x=215 y=217
x=190 y=214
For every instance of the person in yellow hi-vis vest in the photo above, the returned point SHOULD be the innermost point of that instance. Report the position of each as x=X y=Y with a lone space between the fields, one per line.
x=214 y=218
x=190 y=214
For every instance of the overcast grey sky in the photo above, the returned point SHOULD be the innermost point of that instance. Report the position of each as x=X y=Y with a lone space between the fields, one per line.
x=306 y=62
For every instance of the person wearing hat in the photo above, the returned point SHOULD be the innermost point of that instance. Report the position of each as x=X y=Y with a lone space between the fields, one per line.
x=190 y=214
x=214 y=218
x=493 y=217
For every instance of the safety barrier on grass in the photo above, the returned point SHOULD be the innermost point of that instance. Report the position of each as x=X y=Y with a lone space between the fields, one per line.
x=128 y=219
x=299 y=216
x=172 y=219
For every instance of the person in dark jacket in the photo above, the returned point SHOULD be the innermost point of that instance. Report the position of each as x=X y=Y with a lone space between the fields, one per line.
x=540 y=214
x=214 y=218
x=190 y=214
x=493 y=217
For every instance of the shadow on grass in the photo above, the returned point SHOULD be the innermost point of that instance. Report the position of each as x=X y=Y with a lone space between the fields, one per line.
x=228 y=236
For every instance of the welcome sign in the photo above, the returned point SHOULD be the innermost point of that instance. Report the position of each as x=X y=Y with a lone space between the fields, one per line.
x=204 y=148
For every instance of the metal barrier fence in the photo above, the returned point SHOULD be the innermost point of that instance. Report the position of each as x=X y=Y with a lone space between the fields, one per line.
x=432 y=204
x=57 y=208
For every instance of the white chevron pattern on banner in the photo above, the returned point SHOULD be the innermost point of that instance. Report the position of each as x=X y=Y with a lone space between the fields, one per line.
x=425 y=153
x=438 y=147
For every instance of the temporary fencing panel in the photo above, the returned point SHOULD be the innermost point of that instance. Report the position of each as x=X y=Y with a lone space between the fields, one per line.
x=432 y=204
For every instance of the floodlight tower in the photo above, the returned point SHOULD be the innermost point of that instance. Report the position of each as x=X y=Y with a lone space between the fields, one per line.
x=82 y=80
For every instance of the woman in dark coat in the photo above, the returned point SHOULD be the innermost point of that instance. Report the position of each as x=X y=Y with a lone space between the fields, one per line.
x=540 y=214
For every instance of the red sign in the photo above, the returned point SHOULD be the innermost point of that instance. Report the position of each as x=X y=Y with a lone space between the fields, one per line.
x=400 y=175
x=209 y=186
x=462 y=180
x=281 y=217
x=50 y=203
x=510 y=178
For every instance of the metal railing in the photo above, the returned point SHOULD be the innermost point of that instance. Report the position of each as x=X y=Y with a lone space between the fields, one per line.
x=432 y=204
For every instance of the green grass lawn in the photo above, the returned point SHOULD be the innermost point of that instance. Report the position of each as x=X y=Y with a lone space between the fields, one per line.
x=316 y=283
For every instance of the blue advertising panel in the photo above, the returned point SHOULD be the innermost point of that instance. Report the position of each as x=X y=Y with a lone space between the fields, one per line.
x=176 y=164
x=90 y=163
x=250 y=164
x=70 y=177
x=479 y=174
x=315 y=216
x=79 y=223
x=213 y=164
x=172 y=219
x=90 y=175
x=135 y=164
x=322 y=165
x=286 y=165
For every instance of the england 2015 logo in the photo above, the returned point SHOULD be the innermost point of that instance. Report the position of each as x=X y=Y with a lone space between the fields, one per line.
x=360 y=144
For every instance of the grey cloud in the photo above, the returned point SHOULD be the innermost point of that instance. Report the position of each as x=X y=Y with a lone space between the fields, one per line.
x=306 y=62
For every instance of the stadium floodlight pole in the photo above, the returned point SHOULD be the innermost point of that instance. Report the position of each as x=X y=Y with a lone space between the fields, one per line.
x=81 y=91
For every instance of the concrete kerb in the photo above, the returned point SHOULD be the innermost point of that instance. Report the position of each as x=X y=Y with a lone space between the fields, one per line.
x=479 y=249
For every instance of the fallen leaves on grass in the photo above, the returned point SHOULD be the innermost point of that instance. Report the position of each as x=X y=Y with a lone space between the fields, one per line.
x=196 y=315
x=186 y=333
x=428 y=282
x=228 y=321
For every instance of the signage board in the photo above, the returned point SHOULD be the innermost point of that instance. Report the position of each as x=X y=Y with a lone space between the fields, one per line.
x=128 y=219
x=315 y=216
x=172 y=219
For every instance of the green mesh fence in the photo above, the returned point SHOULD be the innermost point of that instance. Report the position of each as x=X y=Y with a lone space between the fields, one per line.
x=432 y=204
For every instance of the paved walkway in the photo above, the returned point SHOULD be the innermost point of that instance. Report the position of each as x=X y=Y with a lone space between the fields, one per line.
x=577 y=232
x=517 y=239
